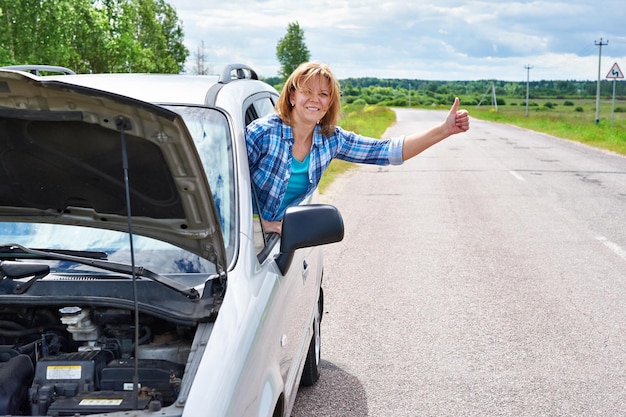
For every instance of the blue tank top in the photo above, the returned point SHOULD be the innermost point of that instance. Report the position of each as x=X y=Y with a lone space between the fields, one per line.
x=298 y=182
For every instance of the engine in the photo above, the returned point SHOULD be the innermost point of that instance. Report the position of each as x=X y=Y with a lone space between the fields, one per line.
x=79 y=361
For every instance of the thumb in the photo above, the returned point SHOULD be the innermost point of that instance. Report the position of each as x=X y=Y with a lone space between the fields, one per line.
x=455 y=105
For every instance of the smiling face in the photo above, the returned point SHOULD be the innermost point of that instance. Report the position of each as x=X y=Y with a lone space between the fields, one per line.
x=311 y=102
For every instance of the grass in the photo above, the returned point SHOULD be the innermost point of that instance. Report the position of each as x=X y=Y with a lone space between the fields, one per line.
x=371 y=121
x=567 y=119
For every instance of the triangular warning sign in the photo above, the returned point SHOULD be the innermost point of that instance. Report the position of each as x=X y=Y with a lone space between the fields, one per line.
x=615 y=72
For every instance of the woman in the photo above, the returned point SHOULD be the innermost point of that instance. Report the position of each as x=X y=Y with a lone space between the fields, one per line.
x=288 y=151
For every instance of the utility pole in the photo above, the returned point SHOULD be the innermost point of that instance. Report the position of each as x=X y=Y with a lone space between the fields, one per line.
x=493 y=95
x=528 y=67
x=600 y=45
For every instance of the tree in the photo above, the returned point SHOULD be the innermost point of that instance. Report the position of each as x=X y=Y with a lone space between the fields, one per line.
x=92 y=35
x=291 y=50
x=37 y=31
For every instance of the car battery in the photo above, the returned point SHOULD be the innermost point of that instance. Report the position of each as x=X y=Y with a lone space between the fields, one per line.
x=158 y=375
x=66 y=375
x=71 y=373
x=96 y=402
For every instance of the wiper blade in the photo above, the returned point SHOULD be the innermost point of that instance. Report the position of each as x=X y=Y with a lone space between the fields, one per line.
x=80 y=253
x=139 y=271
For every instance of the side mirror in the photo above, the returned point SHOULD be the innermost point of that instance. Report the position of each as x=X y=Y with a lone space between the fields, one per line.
x=307 y=226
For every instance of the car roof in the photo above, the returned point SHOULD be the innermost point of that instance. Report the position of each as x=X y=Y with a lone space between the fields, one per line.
x=166 y=88
x=152 y=88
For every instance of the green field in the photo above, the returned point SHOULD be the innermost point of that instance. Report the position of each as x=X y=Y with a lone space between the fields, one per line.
x=572 y=119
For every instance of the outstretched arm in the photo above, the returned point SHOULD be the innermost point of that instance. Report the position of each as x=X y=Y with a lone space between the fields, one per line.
x=457 y=121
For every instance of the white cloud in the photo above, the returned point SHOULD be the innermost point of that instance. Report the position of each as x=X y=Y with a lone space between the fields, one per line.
x=429 y=39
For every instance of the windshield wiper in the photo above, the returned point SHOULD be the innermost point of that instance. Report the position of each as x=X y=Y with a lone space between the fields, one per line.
x=15 y=270
x=103 y=264
x=8 y=249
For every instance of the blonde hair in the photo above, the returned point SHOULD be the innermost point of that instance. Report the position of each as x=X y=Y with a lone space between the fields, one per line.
x=298 y=81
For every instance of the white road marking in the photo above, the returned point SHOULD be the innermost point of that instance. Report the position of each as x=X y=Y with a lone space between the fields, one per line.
x=517 y=176
x=617 y=249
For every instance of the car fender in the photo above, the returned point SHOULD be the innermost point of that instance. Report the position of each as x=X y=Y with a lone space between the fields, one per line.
x=222 y=374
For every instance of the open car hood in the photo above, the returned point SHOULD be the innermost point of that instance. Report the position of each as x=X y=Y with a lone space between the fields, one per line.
x=61 y=162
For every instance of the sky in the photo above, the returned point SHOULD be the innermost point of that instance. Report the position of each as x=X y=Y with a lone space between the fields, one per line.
x=443 y=40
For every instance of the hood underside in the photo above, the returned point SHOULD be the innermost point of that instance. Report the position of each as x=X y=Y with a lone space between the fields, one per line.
x=61 y=161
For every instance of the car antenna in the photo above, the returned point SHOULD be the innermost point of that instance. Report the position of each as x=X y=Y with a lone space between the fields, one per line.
x=123 y=124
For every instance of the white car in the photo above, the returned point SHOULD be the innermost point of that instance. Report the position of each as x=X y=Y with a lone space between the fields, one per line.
x=135 y=278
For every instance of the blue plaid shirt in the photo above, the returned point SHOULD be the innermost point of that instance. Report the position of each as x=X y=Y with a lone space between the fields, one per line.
x=270 y=143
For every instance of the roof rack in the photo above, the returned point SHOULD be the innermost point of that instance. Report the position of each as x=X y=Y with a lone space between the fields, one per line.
x=237 y=72
x=230 y=73
x=36 y=69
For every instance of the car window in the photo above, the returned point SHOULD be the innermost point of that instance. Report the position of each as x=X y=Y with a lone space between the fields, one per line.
x=259 y=107
x=263 y=242
x=210 y=131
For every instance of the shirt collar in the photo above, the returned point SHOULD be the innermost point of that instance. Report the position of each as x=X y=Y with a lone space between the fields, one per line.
x=287 y=132
x=318 y=138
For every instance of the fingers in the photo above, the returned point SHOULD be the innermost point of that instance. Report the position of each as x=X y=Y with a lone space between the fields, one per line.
x=458 y=120
x=462 y=120
x=272 y=227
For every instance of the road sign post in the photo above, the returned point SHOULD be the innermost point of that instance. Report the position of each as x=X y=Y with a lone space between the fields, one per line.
x=615 y=72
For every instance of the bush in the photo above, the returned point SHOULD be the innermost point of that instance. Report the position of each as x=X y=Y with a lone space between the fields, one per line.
x=469 y=101
x=579 y=109
x=398 y=102
x=369 y=99
x=568 y=103
x=359 y=102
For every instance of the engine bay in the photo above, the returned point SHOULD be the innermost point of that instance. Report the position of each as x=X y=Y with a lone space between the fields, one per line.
x=77 y=360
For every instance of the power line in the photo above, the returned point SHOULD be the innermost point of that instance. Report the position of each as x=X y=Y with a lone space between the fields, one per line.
x=600 y=45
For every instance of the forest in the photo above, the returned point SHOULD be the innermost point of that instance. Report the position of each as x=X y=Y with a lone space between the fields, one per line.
x=424 y=93
x=93 y=36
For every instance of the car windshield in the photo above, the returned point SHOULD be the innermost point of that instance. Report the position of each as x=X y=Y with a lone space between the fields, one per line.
x=152 y=254
x=210 y=131
x=211 y=135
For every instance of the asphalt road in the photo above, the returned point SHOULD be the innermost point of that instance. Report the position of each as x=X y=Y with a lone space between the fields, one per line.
x=486 y=277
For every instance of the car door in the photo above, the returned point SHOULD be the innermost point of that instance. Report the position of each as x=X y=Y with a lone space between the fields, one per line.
x=299 y=286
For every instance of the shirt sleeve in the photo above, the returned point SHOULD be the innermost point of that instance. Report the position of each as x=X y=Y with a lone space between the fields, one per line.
x=396 y=145
x=253 y=131
x=361 y=149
